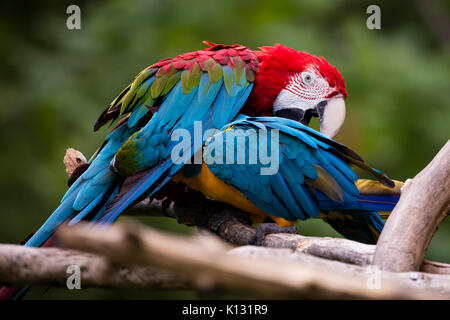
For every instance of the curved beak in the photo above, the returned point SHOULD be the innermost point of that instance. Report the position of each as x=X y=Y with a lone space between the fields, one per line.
x=331 y=111
x=331 y=116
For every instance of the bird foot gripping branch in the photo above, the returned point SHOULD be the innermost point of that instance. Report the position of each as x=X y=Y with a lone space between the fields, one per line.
x=269 y=228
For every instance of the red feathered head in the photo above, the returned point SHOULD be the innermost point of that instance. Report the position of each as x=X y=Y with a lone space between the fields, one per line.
x=298 y=85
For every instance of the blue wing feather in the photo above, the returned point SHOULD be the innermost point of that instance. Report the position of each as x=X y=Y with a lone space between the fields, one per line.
x=178 y=110
x=87 y=209
x=209 y=102
x=287 y=194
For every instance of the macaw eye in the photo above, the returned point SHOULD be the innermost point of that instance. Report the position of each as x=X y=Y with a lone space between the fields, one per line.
x=307 y=78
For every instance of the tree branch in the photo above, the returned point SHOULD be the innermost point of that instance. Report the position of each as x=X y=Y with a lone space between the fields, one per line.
x=423 y=205
x=47 y=266
x=26 y=266
x=208 y=266
x=238 y=233
x=433 y=283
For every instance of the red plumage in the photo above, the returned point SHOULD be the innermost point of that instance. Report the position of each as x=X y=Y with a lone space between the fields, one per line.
x=277 y=64
x=222 y=54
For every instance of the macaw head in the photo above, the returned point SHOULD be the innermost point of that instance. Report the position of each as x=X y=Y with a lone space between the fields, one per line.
x=297 y=85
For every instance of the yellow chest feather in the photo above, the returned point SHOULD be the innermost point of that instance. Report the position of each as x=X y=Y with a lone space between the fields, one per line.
x=215 y=189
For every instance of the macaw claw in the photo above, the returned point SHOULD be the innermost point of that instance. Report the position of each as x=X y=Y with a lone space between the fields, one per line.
x=268 y=228
x=225 y=215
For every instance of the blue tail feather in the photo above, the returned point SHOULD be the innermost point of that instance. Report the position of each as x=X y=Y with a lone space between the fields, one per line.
x=357 y=225
x=61 y=214
x=364 y=202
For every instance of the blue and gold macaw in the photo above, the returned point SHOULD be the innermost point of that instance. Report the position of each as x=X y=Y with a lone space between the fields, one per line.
x=314 y=178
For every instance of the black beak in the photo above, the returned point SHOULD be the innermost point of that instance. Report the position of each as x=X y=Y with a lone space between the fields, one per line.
x=302 y=116
x=320 y=108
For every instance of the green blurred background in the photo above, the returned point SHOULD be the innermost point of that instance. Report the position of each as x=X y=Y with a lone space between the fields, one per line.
x=55 y=82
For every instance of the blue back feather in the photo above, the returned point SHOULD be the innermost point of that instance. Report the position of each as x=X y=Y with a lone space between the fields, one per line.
x=287 y=193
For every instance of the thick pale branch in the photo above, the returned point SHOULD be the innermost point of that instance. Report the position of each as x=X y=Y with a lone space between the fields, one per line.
x=48 y=266
x=207 y=265
x=23 y=265
x=238 y=233
x=422 y=207
x=435 y=283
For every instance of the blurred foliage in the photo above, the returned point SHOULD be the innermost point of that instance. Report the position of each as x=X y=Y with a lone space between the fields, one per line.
x=55 y=82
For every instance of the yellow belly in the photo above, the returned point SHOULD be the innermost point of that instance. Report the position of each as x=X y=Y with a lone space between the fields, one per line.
x=215 y=189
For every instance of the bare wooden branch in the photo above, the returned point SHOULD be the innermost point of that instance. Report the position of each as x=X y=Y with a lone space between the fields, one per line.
x=238 y=233
x=24 y=266
x=207 y=265
x=47 y=266
x=433 y=283
x=422 y=207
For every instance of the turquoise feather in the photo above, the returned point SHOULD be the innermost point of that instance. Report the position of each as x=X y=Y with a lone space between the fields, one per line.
x=288 y=193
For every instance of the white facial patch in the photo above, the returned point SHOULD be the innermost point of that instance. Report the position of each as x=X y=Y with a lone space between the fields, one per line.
x=303 y=91
x=309 y=85
x=288 y=100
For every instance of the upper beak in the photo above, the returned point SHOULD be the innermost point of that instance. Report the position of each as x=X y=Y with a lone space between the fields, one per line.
x=331 y=116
